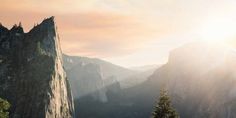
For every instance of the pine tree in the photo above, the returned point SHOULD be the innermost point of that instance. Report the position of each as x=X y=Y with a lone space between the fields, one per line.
x=4 y=106
x=164 y=108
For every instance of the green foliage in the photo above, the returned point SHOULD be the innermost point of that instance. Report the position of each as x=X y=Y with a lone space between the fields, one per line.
x=4 y=106
x=164 y=108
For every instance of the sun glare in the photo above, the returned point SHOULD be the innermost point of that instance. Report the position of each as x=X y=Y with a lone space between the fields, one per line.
x=218 y=30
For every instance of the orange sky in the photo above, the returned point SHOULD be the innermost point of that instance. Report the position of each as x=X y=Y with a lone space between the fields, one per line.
x=126 y=32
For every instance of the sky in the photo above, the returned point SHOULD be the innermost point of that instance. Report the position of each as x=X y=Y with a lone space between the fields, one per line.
x=126 y=32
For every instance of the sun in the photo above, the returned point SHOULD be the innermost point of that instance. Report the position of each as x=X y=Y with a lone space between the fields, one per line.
x=218 y=30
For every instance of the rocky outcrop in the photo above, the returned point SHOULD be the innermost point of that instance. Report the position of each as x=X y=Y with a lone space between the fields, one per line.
x=32 y=77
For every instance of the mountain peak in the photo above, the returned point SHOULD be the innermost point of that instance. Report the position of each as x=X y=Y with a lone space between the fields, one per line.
x=2 y=28
x=17 y=28
x=49 y=20
x=47 y=24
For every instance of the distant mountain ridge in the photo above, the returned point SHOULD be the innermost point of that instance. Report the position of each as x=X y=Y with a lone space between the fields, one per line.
x=107 y=68
x=146 y=67
x=91 y=76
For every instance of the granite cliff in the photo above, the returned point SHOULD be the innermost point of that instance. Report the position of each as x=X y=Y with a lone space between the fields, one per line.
x=32 y=77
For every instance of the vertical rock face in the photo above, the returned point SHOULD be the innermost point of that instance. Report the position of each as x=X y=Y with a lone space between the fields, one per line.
x=201 y=80
x=32 y=77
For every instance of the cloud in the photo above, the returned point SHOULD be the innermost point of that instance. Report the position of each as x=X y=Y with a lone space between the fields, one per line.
x=103 y=34
x=96 y=34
